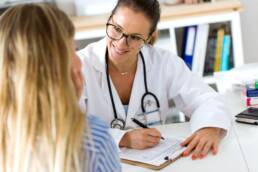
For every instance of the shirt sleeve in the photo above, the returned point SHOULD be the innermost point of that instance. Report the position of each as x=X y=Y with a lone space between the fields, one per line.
x=117 y=135
x=103 y=157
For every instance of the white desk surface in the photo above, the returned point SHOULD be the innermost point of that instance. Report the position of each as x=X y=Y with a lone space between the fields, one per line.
x=228 y=159
x=238 y=152
x=247 y=135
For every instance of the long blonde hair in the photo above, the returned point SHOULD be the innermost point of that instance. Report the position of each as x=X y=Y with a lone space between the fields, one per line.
x=41 y=126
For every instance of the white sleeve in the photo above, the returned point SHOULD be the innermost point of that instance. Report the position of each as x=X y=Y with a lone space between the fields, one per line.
x=117 y=135
x=204 y=106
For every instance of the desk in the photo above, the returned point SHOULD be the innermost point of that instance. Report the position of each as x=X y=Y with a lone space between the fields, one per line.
x=228 y=159
x=247 y=135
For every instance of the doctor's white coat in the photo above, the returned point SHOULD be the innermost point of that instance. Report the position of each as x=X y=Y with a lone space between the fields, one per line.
x=167 y=77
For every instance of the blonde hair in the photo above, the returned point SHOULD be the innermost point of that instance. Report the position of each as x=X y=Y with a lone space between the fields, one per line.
x=41 y=126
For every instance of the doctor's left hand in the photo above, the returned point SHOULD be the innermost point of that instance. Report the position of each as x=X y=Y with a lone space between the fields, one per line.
x=202 y=142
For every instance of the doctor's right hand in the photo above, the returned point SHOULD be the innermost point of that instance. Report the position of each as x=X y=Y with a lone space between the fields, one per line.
x=141 y=138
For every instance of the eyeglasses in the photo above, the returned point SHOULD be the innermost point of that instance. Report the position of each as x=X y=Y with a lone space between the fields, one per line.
x=116 y=33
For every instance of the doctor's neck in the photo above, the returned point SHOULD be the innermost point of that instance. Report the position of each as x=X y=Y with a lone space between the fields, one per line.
x=123 y=68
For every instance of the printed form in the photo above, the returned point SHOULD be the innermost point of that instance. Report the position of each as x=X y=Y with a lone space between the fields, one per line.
x=170 y=148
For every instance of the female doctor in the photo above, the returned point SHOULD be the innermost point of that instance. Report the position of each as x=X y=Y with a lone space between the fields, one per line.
x=127 y=78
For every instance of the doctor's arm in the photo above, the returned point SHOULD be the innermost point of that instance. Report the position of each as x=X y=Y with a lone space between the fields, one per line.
x=207 y=110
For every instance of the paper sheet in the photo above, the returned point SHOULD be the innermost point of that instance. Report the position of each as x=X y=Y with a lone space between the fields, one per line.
x=169 y=147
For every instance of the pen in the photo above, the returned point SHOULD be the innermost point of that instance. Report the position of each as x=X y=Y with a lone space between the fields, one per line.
x=143 y=125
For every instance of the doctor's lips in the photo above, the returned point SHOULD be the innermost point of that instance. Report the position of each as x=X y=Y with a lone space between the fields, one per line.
x=119 y=52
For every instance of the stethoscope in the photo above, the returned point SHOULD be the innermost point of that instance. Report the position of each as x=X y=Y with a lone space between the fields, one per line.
x=119 y=122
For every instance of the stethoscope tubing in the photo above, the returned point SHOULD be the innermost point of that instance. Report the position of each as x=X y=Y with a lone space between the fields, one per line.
x=143 y=96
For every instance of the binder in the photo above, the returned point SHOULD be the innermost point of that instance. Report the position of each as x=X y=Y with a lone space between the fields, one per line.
x=200 y=49
x=188 y=45
x=156 y=158
x=225 y=57
x=219 y=44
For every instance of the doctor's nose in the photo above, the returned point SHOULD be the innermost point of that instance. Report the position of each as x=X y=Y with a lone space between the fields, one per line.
x=122 y=43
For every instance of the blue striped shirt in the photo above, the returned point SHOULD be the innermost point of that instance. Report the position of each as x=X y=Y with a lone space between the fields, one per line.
x=101 y=152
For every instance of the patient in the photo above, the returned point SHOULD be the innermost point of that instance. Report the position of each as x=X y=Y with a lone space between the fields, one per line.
x=41 y=127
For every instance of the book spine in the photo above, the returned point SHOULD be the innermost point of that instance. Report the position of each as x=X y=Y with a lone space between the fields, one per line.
x=225 y=53
x=210 y=56
x=200 y=48
x=189 y=45
x=220 y=35
x=251 y=101
x=252 y=93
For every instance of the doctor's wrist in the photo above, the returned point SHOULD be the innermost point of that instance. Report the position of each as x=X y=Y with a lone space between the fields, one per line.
x=125 y=141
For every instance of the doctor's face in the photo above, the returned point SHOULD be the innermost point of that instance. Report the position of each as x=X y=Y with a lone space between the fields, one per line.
x=127 y=31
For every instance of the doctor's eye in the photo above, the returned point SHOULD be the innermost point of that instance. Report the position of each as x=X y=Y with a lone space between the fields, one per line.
x=135 y=38
x=117 y=29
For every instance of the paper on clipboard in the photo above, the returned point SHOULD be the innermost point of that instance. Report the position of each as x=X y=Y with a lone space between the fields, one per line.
x=170 y=147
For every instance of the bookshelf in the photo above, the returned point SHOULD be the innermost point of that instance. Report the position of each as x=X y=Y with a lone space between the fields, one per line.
x=174 y=18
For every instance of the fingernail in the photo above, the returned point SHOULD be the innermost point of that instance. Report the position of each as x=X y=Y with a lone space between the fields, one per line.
x=185 y=154
x=194 y=157
x=201 y=156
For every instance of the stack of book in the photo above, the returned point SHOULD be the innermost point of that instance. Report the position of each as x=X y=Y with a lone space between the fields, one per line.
x=251 y=94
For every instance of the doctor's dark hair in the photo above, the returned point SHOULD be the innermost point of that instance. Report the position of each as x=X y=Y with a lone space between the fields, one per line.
x=150 y=8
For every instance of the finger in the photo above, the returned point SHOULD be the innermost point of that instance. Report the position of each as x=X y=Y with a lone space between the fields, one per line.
x=151 y=143
x=187 y=140
x=198 y=149
x=190 y=147
x=206 y=149
x=154 y=132
x=153 y=140
x=215 y=148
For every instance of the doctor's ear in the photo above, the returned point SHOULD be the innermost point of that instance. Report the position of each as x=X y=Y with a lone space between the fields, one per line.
x=153 y=38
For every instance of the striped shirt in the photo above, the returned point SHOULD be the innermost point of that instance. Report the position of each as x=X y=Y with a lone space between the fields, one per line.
x=102 y=154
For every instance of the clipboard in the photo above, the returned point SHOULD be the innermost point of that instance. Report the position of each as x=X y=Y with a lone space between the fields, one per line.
x=156 y=158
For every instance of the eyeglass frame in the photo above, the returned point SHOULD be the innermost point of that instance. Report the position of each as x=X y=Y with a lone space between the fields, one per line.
x=125 y=35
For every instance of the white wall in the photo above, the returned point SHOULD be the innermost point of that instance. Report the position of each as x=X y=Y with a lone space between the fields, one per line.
x=249 y=22
x=67 y=5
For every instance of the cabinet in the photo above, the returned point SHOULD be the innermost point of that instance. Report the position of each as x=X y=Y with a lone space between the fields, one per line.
x=91 y=28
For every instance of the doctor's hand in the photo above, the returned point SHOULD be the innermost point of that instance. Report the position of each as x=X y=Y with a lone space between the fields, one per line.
x=140 y=138
x=202 y=142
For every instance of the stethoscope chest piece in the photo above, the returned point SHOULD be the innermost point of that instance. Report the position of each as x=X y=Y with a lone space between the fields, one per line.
x=118 y=123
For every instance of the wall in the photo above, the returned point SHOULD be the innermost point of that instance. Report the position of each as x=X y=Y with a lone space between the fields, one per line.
x=249 y=22
x=67 y=5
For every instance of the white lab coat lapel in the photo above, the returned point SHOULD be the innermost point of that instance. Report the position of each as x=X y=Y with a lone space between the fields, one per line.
x=138 y=86
x=100 y=64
